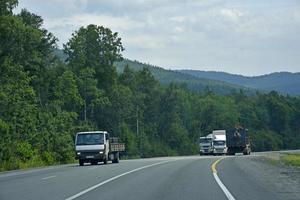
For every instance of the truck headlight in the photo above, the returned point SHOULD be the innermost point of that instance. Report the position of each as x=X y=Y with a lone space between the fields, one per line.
x=101 y=152
x=78 y=153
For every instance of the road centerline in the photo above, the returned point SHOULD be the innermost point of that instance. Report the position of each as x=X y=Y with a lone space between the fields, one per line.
x=221 y=185
x=213 y=166
x=48 y=177
x=114 y=178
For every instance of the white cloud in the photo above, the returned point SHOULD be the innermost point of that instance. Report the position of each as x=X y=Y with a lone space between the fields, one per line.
x=178 y=19
x=115 y=23
x=248 y=37
x=178 y=29
x=232 y=14
x=145 y=42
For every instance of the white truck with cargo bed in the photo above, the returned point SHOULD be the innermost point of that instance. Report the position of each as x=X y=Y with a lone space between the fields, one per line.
x=96 y=146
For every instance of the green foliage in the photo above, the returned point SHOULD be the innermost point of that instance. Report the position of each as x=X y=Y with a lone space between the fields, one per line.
x=4 y=139
x=130 y=139
x=217 y=112
x=265 y=140
x=98 y=48
x=6 y=6
x=291 y=159
x=197 y=84
x=67 y=93
x=24 y=151
x=93 y=97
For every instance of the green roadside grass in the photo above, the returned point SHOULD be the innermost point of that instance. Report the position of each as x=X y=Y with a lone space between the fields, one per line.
x=291 y=159
x=36 y=162
x=16 y=164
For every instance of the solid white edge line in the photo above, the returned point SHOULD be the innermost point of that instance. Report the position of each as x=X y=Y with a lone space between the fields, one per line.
x=222 y=186
x=113 y=178
x=45 y=178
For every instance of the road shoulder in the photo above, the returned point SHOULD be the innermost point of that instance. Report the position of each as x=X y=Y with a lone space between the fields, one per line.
x=259 y=174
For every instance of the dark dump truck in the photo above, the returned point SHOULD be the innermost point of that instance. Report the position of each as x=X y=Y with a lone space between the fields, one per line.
x=238 y=141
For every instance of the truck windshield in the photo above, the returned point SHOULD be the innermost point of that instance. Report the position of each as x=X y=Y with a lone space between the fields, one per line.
x=219 y=143
x=205 y=140
x=90 y=139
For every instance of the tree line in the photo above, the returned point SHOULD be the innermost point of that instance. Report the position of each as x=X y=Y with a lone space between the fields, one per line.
x=44 y=101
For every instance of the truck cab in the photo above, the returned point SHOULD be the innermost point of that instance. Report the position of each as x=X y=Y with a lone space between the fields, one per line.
x=219 y=142
x=205 y=145
x=219 y=147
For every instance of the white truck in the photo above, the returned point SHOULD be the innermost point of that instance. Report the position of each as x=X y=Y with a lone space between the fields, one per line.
x=97 y=146
x=205 y=145
x=219 y=142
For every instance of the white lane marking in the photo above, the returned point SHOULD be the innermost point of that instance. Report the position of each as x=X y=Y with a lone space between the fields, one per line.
x=48 y=177
x=114 y=178
x=222 y=186
x=91 y=168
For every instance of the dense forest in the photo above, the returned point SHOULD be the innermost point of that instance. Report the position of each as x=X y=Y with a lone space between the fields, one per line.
x=44 y=101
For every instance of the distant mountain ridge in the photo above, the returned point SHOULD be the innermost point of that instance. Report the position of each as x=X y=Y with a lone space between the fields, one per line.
x=218 y=82
x=197 y=84
x=282 y=82
x=165 y=77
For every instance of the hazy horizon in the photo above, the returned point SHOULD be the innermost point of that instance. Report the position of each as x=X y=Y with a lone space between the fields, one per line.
x=199 y=69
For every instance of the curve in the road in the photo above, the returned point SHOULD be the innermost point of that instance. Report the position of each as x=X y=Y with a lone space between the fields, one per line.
x=222 y=186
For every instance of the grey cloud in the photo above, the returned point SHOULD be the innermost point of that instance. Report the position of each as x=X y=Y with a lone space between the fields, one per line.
x=247 y=37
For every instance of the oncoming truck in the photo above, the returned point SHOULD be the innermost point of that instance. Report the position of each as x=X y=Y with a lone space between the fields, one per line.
x=97 y=146
x=238 y=141
x=219 y=146
x=205 y=145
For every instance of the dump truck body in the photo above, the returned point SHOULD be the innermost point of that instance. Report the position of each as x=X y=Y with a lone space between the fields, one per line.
x=238 y=141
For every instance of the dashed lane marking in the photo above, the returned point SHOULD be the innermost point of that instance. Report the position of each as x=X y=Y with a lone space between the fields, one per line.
x=48 y=177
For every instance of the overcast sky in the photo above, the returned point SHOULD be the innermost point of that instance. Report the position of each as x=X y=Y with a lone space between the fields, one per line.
x=249 y=37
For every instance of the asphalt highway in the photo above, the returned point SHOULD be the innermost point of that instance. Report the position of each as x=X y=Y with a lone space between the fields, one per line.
x=167 y=178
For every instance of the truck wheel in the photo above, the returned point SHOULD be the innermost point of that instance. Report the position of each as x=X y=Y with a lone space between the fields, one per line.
x=246 y=152
x=81 y=162
x=105 y=160
x=116 y=158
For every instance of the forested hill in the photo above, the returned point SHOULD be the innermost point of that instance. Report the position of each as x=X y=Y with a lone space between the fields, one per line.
x=44 y=101
x=166 y=77
x=283 y=82
x=194 y=83
x=218 y=82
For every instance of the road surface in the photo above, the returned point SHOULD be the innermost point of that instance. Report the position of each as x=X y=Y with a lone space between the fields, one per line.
x=167 y=178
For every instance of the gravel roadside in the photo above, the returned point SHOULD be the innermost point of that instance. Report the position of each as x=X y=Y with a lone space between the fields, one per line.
x=283 y=179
